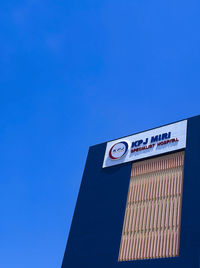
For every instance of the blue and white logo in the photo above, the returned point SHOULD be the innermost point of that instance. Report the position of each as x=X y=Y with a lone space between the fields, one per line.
x=118 y=150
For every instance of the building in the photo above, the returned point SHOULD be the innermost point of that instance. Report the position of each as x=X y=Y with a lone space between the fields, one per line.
x=139 y=202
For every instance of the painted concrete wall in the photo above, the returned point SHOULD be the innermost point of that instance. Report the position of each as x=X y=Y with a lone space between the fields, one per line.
x=95 y=233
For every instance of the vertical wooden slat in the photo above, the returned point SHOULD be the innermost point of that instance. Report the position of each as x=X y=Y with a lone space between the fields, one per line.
x=151 y=227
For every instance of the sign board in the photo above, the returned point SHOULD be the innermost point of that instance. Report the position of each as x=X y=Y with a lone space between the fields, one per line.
x=145 y=144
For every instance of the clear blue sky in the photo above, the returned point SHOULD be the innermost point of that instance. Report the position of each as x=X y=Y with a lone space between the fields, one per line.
x=73 y=74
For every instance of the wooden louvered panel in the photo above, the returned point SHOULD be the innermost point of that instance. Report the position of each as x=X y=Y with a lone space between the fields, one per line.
x=151 y=226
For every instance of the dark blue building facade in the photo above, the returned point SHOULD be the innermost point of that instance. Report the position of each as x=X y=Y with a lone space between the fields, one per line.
x=96 y=228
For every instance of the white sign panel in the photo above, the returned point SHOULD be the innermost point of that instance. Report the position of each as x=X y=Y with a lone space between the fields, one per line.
x=145 y=144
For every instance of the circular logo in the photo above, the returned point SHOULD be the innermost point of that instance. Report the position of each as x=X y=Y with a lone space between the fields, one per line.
x=118 y=150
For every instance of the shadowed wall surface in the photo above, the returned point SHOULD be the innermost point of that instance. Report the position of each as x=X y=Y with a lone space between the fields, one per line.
x=95 y=234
